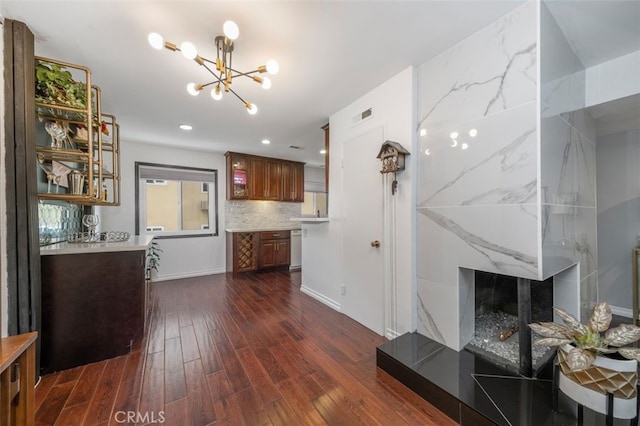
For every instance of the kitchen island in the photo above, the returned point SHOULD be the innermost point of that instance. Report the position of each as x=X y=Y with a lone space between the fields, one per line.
x=94 y=301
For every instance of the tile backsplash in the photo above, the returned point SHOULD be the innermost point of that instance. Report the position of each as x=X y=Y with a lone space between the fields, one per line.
x=57 y=219
x=252 y=214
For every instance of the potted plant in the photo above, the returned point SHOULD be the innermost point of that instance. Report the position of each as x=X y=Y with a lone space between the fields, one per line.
x=595 y=360
x=55 y=85
x=153 y=259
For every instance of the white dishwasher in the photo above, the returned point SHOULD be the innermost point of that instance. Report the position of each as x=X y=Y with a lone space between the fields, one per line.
x=296 y=249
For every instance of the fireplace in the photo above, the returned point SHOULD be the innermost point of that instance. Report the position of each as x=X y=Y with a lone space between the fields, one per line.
x=504 y=305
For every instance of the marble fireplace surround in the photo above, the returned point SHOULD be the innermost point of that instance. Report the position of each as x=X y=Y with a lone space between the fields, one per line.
x=519 y=200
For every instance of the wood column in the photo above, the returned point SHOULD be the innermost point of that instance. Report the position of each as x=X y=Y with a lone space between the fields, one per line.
x=22 y=240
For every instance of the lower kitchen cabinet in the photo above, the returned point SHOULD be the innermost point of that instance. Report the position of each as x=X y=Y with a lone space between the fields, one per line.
x=252 y=251
x=275 y=248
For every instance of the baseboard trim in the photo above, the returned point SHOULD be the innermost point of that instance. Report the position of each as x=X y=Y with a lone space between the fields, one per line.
x=189 y=275
x=320 y=297
x=622 y=312
x=392 y=334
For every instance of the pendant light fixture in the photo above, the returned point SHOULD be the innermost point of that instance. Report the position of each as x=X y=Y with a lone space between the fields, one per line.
x=221 y=68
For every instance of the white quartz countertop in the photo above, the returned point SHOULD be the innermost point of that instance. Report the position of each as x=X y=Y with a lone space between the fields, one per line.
x=309 y=219
x=292 y=227
x=136 y=242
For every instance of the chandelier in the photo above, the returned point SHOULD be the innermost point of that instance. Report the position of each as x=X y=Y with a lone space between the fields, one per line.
x=222 y=67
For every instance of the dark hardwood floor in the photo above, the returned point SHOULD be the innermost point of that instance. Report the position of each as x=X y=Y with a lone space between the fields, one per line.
x=248 y=351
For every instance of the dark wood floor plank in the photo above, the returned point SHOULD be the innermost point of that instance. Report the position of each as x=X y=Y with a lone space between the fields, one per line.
x=175 y=386
x=190 y=350
x=152 y=393
x=232 y=367
x=171 y=326
x=299 y=402
x=238 y=351
x=199 y=398
x=86 y=384
x=43 y=387
x=101 y=405
x=71 y=414
x=208 y=353
x=49 y=411
x=258 y=376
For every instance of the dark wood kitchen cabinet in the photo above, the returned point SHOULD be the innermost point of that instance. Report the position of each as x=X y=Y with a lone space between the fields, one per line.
x=253 y=251
x=266 y=179
x=252 y=177
x=93 y=307
x=292 y=181
x=275 y=248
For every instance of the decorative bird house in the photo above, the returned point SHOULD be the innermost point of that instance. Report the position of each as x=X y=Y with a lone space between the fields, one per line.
x=392 y=156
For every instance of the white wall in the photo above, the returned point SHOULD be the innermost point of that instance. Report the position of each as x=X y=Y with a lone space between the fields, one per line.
x=181 y=257
x=314 y=179
x=617 y=159
x=322 y=268
x=613 y=79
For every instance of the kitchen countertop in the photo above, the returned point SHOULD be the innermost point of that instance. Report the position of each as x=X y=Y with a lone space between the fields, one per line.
x=292 y=227
x=136 y=242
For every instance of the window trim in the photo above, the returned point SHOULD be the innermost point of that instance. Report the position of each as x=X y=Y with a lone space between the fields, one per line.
x=213 y=230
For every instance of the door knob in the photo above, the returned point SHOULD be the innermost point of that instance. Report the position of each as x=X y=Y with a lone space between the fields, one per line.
x=375 y=243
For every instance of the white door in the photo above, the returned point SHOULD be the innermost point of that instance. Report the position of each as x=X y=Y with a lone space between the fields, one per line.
x=363 y=298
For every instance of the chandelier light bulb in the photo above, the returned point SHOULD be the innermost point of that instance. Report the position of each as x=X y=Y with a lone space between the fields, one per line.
x=251 y=108
x=231 y=30
x=216 y=93
x=188 y=50
x=454 y=135
x=155 y=40
x=193 y=91
x=473 y=133
x=464 y=145
x=272 y=66
x=266 y=83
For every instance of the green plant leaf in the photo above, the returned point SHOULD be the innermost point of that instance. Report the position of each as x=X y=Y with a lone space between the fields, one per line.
x=601 y=317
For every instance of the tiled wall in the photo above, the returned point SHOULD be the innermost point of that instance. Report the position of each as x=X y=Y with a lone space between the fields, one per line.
x=57 y=219
x=477 y=192
x=256 y=214
x=506 y=170
x=568 y=163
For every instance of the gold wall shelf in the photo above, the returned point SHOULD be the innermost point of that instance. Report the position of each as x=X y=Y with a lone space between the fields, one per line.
x=77 y=145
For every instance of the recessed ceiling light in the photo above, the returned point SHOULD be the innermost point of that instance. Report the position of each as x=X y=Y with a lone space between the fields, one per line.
x=266 y=141
x=186 y=127
x=323 y=151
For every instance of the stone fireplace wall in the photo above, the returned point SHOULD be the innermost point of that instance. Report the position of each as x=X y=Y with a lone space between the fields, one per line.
x=504 y=174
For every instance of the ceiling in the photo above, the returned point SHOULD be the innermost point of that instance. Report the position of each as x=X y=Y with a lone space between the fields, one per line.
x=330 y=53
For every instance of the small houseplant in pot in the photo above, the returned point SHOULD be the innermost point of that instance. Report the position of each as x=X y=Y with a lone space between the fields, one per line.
x=595 y=359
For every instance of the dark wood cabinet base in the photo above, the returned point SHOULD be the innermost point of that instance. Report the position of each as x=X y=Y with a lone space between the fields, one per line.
x=92 y=307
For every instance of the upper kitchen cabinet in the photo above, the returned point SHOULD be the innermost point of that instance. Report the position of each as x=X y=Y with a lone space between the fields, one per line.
x=77 y=145
x=251 y=177
x=292 y=181
x=237 y=176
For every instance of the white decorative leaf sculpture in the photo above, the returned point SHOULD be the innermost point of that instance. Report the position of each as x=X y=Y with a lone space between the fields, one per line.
x=622 y=335
x=570 y=321
x=601 y=317
x=551 y=329
x=630 y=353
x=551 y=341
x=579 y=359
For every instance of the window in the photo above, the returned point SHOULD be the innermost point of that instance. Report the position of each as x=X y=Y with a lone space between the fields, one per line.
x=174 y=201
